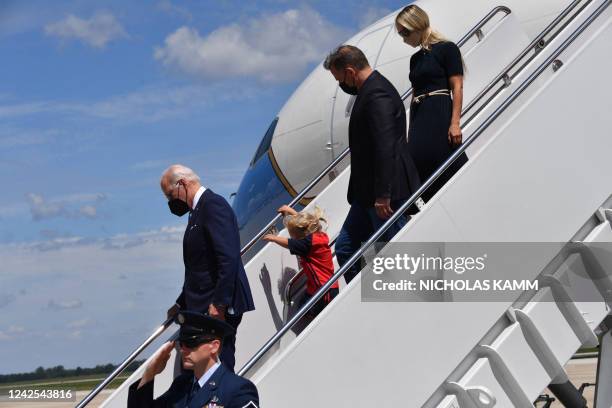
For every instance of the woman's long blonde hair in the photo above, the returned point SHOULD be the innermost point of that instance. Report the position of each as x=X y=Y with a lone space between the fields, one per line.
x=415 y=18
x=305 y=223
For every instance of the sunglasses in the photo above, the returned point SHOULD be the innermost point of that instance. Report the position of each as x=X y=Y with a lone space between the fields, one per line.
x=194 y=341
x=405 y=32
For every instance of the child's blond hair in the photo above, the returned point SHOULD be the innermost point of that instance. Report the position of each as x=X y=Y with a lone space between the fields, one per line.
x=305 y=223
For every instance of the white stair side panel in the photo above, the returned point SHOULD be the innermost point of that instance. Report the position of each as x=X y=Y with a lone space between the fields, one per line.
x=566 y=141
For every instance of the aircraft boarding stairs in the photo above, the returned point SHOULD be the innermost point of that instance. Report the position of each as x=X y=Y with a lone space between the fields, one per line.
x=527 y=126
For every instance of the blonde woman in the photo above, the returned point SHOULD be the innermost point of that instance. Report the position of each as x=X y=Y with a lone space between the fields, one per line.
x=311 y=244
x=436 y=74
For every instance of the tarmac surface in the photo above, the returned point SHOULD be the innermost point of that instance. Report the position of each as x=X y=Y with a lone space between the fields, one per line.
x=580 y=371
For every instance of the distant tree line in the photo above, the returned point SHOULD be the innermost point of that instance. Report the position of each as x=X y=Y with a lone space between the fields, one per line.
x=60 y=372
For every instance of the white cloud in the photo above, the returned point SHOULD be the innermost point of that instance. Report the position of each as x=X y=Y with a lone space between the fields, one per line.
x=65 y=304
x=96 y=31
x=75 y=335
x=151 y=165
x=77 y=324
x=271 y=48
x=147 y=105
x=88 y=211
x=15 y=329
x=42 y=209
x=13 y=137
x=57 y=242
x=168 y=7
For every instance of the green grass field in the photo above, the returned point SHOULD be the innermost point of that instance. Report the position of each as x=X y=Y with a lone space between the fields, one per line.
x=82 y=383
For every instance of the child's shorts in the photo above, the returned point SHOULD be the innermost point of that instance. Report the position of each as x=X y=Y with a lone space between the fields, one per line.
x=320 y=305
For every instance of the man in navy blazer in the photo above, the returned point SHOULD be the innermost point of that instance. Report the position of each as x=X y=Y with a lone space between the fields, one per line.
x=383 y=174
x=215 y=281
x=206 y=382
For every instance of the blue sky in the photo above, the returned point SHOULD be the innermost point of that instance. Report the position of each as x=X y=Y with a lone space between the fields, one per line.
x=96 y=99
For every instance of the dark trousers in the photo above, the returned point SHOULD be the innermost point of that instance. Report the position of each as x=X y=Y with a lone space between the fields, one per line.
x=228 y=349
x=359 y=225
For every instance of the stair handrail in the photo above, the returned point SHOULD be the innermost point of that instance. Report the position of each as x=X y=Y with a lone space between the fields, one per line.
x=484 y=126
x=538 y=44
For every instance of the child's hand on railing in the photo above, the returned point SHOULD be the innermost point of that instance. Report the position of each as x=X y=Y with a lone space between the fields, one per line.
x=269 y=237
x=286 y=210
x=282 y=241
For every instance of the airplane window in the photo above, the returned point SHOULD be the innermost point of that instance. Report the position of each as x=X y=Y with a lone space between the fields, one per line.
x=265 y=142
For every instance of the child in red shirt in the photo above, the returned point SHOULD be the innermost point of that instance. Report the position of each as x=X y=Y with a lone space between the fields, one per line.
x=311 y=245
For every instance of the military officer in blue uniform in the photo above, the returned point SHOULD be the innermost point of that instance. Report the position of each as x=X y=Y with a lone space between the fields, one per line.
x=205 y=382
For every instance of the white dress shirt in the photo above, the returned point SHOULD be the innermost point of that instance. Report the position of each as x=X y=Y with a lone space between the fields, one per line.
x=197 y=196
x=208 y=374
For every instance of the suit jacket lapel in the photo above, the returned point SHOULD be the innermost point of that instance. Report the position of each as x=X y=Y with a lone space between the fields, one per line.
x=360 y=98
x=209 y=391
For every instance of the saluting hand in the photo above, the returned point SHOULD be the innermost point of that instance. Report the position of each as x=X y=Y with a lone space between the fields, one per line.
x=157 y=364
x=383 y=208
x=454 y=134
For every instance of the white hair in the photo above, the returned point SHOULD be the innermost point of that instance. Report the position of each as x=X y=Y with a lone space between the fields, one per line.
x=177 y=172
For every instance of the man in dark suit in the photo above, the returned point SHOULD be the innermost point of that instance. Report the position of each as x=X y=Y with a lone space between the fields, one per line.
x=215 y=281
x=383 y=175
x=206 y=382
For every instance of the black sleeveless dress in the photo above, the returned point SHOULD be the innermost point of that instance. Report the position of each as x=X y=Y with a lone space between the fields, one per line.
x=430 y=119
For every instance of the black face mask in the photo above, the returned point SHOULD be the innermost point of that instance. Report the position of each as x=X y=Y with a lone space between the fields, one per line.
x=351 y=90
x=178 y=207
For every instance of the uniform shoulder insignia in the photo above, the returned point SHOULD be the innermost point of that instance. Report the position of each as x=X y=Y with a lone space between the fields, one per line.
x=251 y=404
